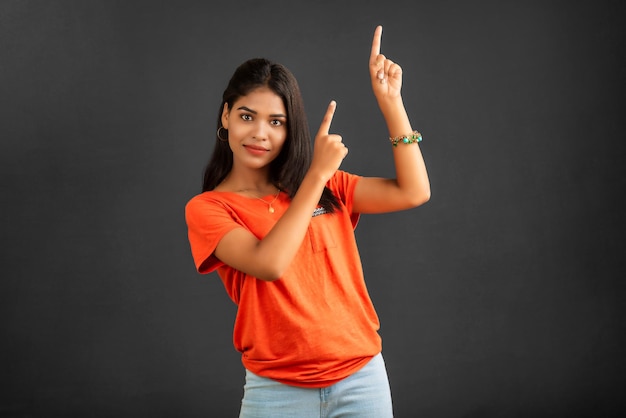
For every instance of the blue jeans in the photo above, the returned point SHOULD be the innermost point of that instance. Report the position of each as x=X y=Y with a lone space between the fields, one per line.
x=365 y=394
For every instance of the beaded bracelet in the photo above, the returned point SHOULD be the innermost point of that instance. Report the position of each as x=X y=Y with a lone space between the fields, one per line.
x=406 y=139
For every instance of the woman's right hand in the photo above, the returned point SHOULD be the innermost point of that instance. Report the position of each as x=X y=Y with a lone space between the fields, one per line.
x=328 y=150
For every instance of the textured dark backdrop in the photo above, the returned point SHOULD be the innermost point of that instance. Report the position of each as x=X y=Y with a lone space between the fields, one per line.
x=502 y=297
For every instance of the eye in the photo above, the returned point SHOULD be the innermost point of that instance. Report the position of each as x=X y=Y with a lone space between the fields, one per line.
x=277 y=122
x=245 y=116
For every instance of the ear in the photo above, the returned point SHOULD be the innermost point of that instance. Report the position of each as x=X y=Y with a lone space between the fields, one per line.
x=225 y=114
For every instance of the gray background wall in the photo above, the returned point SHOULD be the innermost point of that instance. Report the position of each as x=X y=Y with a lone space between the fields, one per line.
x=500 y=297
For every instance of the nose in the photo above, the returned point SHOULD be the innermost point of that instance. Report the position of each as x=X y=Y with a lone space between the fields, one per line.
x=260 y=131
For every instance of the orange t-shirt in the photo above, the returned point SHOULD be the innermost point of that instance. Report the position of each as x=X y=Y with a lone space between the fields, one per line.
x=315 y=325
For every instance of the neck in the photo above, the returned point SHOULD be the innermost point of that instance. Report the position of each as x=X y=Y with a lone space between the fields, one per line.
x=252 y=181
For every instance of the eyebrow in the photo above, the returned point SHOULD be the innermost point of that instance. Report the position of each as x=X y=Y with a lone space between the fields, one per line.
x=247 y=109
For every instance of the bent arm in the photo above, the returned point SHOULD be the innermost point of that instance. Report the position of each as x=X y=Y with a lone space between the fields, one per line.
x=268 y=258
x=411 y=186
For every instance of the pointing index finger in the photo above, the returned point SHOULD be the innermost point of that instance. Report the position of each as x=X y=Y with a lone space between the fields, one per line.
x=328 y=118
x=376 y=43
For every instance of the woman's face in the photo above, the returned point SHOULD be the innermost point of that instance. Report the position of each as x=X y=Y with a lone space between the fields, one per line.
x=257 y=128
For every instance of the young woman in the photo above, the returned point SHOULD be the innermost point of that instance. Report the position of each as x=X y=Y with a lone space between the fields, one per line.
x=277 y=223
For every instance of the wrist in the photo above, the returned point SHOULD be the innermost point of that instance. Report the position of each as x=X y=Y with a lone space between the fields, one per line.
x=315 y=179
x=390 y=103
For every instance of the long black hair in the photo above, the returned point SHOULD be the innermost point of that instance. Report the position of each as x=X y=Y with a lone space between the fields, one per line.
x=287 y=170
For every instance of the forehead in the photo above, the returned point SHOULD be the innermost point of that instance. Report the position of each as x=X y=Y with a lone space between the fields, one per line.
x=261 y=100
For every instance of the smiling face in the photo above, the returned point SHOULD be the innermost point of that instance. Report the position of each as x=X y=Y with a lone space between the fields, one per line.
x=257 y=128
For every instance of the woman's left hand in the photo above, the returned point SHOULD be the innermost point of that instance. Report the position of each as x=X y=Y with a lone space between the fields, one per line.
x=386 y=75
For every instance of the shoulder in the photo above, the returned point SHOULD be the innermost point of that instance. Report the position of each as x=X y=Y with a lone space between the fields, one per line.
x=207 y=202
x=212 y=198
x=342 y=183
x=342 y=178
x=202 y=199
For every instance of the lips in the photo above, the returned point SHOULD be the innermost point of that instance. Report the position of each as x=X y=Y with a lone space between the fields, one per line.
x=255 y=148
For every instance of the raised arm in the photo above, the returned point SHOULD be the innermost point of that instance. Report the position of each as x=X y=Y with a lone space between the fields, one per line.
x=268 y=258
x=411 y=186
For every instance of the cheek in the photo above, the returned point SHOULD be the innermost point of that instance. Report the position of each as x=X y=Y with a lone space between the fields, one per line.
x=235 y=133
x=278 y=145
x=281 y=138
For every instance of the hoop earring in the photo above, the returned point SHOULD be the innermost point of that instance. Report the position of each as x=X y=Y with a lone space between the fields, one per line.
x=218 y=134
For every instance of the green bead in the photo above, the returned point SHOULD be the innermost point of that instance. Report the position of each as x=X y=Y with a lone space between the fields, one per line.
x=405 y=140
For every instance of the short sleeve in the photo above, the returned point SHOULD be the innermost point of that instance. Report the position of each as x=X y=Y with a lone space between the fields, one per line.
x=343 y=184
x=208 y=220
